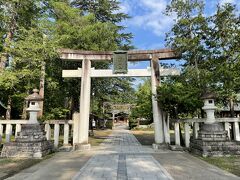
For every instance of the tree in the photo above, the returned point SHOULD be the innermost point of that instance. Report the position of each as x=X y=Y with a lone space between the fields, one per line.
x=179 y=98
x=143 y=102
x=55 y=24
x=208 y=46
x=14 y=16
x=107 y=11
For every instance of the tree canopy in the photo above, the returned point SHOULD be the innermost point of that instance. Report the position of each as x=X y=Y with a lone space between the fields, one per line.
x=31 y=34
x=208 y=46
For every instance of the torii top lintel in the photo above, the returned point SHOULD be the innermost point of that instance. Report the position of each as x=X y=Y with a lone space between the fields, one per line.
x=134 y=55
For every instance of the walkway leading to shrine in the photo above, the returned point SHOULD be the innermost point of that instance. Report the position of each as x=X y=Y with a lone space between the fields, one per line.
x=121 y=157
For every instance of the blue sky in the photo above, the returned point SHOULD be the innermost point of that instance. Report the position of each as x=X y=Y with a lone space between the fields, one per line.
x=149 y=25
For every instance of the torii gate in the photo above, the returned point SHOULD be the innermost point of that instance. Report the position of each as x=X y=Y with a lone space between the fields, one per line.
x=86 y=72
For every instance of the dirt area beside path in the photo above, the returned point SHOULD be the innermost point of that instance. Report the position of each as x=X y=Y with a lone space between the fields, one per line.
x=99 y=136
x=144 y=137
x=11 y=166
x=230 y=164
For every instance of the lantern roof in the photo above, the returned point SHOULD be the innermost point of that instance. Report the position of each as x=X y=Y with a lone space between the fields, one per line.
x=35 y=96
x=208 y=95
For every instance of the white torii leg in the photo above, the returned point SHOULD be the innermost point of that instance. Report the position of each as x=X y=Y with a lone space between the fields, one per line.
x=85 y=102
x=157 y=113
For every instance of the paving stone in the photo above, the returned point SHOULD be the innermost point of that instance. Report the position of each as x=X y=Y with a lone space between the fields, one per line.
x=121 y=157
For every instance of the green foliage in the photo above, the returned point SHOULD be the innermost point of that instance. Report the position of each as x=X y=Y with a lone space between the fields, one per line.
x=107 y=11
x=32 y=31
x=179 y=99
x=56 y=113
x=143 y=102
x=208 y=45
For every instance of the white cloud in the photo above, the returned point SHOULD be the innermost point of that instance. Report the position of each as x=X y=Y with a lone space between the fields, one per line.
x=221 y=2
x=124 y=8
x=148 y=14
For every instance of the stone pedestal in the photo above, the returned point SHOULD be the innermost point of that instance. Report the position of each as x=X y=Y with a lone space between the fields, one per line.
x=213 y=141
x=31 y=142
x=81 y=147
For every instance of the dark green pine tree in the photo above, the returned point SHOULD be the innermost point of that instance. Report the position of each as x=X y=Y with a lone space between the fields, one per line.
x=107 y=11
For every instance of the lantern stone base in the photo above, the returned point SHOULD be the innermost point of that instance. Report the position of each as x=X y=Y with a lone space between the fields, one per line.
x=213 y=141
x=30 y=143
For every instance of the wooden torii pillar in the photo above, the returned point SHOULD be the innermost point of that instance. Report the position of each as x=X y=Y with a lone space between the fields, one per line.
x=86 y=72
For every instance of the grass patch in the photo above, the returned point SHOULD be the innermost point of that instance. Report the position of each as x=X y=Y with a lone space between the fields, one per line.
x=11 y=166
x=142 y=129
x=99 y=136
x=230 y=164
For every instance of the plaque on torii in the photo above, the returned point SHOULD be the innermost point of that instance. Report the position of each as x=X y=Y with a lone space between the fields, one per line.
x=120 y=62
x=120 y=59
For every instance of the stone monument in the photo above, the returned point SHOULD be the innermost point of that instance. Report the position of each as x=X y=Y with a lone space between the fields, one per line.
x=31 y=142
x=212 y=137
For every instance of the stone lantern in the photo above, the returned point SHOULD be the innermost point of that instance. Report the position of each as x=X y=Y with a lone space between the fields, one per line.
x=212 y=138
x=209 y=107
x=33 y=108
x=31 y=141
x=211 y=125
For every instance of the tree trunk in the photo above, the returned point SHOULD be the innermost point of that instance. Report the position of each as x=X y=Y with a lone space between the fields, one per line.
x=3 y=61
x=231 y=105
x=9 y=108
x=24 y=112
x=41 y=89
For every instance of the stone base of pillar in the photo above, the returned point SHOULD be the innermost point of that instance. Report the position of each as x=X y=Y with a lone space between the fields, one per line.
x=31 y=142
x=66 y=148
x=162 y=146
x=81 y=147
x=213 y=141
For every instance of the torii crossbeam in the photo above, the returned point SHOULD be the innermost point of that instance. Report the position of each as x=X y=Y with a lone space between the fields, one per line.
x=86 y=72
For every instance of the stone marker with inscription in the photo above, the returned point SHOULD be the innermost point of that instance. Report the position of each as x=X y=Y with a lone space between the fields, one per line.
x=120 y=60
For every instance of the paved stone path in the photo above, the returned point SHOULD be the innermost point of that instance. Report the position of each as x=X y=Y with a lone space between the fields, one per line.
x=122 y=157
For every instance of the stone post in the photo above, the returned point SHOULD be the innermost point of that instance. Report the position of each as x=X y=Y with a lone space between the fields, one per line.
x=195 y=130
x=187 y=134
x=66 y=134
x=18 y=129
x=177 y=133
x=166 y=129
x=8 y=132
x=56 y=135
x=48 y=131
x=236 y=131
x=227 y=128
